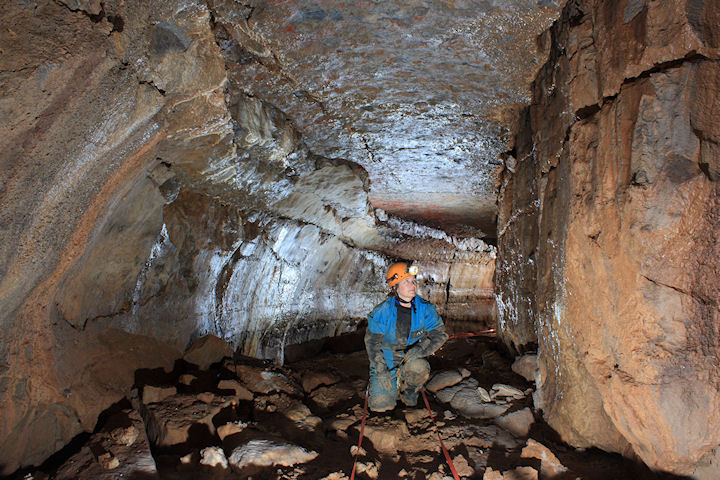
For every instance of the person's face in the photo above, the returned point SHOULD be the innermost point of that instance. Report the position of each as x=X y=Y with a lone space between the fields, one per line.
x=407 y=288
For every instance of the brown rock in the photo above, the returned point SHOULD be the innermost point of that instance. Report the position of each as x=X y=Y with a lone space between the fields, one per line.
x=550 y=466
x=610 y=220
x=266 y=381
x=443 y=379
x=518 y=422
x=120 y=449
x=207 y=350
x=526 y=366
x=328 y=397
x=241 y=392
x=169 y=423
x=153 y=394
x=312 y=379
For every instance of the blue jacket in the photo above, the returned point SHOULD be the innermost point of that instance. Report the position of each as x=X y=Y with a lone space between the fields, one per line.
x=427 y=332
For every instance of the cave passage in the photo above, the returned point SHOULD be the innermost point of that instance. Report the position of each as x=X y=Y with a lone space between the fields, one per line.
x=200 y=200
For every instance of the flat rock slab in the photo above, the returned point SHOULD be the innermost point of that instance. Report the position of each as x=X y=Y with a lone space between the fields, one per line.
x=266 y=381
x=169 y=422
x=119 y=450
x=291 y=408
x=444 y=379
x=467 y=402
x=153 y=394
x=313 y=379
x=446 y=394
x=328 y=397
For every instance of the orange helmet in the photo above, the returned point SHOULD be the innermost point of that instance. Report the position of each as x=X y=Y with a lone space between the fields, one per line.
x=399 y=272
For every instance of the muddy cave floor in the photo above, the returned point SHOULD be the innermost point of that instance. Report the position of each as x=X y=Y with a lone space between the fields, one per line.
x=317 y=404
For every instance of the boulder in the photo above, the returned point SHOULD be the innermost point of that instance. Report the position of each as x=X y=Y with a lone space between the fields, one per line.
x=241 y=393
x=207 y=350
x=518 y=422
x=119 y=450
x=526 y=366
x=313 y=379
x=169 y=422
x=153 y=394
x=263 y=381
x=550 y=466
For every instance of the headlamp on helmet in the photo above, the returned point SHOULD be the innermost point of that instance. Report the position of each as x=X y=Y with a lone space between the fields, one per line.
x=399 y=272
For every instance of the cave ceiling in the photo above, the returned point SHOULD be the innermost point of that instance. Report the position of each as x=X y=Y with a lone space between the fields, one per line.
x=419 y=93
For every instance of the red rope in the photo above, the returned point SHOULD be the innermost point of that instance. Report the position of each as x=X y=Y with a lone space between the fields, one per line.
x=442 y=444
x=490 y=331
x=362 y=432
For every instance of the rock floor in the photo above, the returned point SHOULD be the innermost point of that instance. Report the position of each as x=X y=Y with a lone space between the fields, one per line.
x=245 y=419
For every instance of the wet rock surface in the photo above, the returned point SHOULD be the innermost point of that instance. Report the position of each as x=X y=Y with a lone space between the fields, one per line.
x=608 y=248
x=199 y=433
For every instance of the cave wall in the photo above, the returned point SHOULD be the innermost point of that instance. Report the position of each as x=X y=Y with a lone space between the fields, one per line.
x=147 y=200
x=608 y=256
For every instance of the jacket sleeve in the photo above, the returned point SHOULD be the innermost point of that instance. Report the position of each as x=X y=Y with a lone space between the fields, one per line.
x=374 y=338
x=435 y=335
x=373 y=345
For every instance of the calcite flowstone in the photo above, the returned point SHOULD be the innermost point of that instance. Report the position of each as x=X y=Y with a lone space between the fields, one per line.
x=266 y=453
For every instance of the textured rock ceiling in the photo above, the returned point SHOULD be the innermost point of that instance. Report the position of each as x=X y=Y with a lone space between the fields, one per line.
x=418 y=93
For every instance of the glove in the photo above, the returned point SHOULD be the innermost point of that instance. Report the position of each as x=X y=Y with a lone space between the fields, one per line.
x=385 y=382
x=413 y=354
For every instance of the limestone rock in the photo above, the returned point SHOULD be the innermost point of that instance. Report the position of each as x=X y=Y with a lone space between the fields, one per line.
x=526 y=366
x=518 y=422
x=119 y=450
x=265 y=381
x=619 y=242
x=462 y=467
x=153 y=394
x=241 y=393
x=550 y=466
x=468 y=403
x=267 y=453
x=169 y=423
x=519 y=473
x=328 y=397
x=500 y=390
x=444 y=379
x=230 y=428
x=312 y=379
x=207 y=350
x=446 y=394
x=386 y=435
x=291 y=408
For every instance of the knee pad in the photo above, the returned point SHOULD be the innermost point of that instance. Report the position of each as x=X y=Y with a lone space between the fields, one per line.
x=417 y=371
x=382 y=402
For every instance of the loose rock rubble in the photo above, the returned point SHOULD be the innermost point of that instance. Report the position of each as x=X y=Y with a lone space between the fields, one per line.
x=244 y=419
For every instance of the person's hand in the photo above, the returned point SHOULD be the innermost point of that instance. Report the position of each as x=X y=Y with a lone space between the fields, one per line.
x=385 y=382
x=413 y=354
